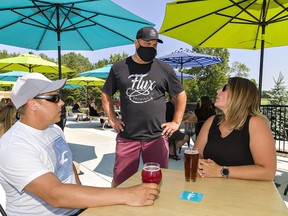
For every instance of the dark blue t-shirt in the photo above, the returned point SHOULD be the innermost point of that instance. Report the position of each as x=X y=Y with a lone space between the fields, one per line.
x=142 y=94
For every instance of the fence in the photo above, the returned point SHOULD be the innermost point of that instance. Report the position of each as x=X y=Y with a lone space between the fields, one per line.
x=278 y=117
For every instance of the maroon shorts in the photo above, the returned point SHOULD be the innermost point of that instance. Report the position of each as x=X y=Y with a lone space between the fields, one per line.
x=128 y=155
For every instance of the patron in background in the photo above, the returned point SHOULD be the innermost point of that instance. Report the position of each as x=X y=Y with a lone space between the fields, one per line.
x=177 y=139
x=92 y=108
x=77 y=109
x=7 y=118
x=205 y=110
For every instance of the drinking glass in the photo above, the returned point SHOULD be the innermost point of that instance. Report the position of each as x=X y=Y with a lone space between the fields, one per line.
x=151 y=173
x=191 y=164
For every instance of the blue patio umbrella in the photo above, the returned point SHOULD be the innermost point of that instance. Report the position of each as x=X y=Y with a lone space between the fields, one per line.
x=187 y=59
x=67 y=25
x=102 y=72
x=12 y=75
x=183 y=76
x=72 y=86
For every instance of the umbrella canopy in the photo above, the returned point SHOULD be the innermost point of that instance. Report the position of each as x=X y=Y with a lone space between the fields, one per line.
x=67 y=25
x=72 y=86
x=187 y=59
x=102 y=72
x=244 y=24
x=12 y=75
x=30 y=63
x=6 y=83
x=183 y=76
x=86 y=81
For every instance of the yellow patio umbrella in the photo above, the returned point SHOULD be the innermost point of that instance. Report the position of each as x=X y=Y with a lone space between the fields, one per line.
x=6 y=83
x=242 y=24
x=86 y=81
x=30 y=63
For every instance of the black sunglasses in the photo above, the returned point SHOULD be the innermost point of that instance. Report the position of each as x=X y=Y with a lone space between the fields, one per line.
x=224 y=88
x=51 y=98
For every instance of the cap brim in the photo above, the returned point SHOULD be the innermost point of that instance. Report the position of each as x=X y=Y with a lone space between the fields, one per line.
x=159 y=41
x=54 y=86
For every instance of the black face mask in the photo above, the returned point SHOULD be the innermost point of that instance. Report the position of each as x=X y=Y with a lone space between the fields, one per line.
x=147 y=54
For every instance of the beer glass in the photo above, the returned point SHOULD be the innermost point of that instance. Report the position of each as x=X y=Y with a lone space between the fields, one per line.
x=151 y=173
x=191 y=164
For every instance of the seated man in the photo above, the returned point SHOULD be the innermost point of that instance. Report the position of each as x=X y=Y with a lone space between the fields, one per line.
x=178 y=138
x=37 y=172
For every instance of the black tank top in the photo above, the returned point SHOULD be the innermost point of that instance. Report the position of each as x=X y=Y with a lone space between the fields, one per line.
x=233 y=150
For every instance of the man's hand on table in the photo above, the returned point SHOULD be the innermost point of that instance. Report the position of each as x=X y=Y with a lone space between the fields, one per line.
x=142 y=195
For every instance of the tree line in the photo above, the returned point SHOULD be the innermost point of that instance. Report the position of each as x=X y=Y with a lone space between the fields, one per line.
x=206 y=82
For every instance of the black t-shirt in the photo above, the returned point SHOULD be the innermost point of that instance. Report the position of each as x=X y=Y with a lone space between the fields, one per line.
x=142 y=94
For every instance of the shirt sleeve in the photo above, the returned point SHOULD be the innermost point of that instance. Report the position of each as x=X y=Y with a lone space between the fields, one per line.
x=110 y=86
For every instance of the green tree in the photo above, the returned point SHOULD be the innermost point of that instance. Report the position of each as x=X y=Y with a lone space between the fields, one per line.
x=279 y=94
x=208 y=79
x=77 y=62
x=192 y=90
x=117 y=57
x=266 y=94
x=5 y=54
x=113 y=58
x=239 y=69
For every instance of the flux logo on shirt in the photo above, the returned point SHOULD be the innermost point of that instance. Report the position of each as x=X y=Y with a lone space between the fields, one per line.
x=141 y=89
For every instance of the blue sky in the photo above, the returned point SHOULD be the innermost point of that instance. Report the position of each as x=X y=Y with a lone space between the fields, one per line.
x=275 y=59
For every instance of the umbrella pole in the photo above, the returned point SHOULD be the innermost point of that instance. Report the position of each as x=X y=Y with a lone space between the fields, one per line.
x=261 y=70
x=261 y=63
x=181 y=63
x=59 y=43
x=262 y=49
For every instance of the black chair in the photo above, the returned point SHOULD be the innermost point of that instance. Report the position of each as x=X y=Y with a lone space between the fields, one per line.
x=188 y=142
x=286 y=189
x=3 y=213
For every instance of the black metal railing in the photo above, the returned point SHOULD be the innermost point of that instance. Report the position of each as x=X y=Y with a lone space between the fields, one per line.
x=278 y=117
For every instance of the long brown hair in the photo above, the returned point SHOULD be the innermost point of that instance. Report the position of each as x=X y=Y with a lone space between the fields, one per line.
x=243 y=100
x=7 y=116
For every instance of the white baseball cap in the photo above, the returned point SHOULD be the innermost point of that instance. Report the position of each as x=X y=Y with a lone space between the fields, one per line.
x=31 y=85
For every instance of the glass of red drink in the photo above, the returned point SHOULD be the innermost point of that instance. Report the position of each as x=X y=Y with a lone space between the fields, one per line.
x=151 y=173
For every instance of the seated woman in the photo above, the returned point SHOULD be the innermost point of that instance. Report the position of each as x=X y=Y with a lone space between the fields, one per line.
x=77 y=109
x=7 y=118
x=92 y=108
x=238 y=143
x=178 y=138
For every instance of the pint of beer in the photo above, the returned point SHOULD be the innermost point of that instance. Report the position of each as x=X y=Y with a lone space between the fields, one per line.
x=191 y=164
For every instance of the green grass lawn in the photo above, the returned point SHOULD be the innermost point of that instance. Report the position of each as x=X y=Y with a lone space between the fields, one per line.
x=264 y=101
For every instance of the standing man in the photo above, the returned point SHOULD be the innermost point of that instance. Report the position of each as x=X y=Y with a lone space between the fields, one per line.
x=36 y=169
x=142 y=81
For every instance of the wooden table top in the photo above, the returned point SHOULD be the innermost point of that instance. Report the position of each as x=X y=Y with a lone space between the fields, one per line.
x=221 y=196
